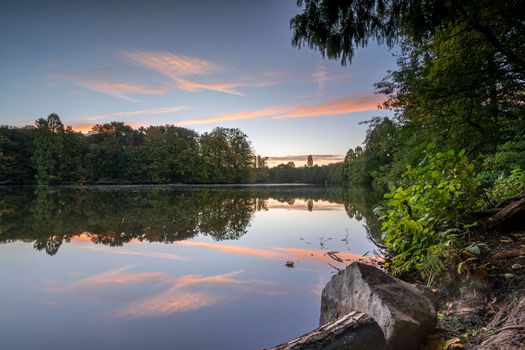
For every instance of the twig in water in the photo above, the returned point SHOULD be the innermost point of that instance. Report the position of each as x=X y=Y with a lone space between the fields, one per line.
x=334 y=256
x=346 y=237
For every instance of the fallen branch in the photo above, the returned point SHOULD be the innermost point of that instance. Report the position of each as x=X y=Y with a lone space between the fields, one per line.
x=353 y=329
x=506 y=328
x=511 y=214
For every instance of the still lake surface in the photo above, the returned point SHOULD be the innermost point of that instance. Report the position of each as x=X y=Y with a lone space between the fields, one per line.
x=171 y=267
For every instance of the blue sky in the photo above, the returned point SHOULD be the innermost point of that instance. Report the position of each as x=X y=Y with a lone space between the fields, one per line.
x=198 y=64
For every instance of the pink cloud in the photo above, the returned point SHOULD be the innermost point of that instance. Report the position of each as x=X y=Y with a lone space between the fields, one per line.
x=337 y=107
x=178 y=68
x=261 y=113
x=332 y=108
x=172 y=65
x=119 y=89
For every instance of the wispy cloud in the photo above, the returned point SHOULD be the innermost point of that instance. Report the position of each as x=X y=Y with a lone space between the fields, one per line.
x=333 y=108
x=261 y=113
x=172 y=65
x=182 y=72
x=321 y=76
x=337 y=107
x=142 y=112
x=191 y=86
x=179 y=67
x=118 y=89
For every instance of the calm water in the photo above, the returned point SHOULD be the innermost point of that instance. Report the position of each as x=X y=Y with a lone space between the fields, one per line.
x=170 y=268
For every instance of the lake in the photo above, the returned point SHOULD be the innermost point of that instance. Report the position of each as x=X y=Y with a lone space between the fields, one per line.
x=163 y=267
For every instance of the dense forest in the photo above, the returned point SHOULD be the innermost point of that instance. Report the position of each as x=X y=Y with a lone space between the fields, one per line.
x=456 y=143
x=115 y=153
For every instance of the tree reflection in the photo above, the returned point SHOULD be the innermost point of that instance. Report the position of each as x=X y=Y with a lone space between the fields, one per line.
x=116 y=215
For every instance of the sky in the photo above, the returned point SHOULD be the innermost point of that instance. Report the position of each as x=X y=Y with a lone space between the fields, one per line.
x=197 y=64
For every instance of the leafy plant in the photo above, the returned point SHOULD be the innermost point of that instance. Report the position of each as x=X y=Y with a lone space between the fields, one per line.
x=422 y=220
x=507 y=186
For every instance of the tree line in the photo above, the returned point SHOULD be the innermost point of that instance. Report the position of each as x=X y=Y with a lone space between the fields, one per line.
x=50 y=153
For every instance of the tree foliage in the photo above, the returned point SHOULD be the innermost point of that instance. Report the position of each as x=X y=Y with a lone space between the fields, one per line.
x=459 y=85
x=116 y=153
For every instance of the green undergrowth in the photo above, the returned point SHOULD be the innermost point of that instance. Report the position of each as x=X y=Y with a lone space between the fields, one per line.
x=425 y=219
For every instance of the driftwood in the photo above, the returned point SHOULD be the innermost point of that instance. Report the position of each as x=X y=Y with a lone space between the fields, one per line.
x=509 y=216
x=353 y=331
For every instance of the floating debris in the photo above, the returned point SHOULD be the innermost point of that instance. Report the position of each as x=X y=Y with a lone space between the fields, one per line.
x=334 y=256
x=289 y=264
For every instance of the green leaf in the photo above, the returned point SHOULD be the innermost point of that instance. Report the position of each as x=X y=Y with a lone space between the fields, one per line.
x=474 y=249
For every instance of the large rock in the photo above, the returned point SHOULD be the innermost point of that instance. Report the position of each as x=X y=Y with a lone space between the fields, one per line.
x=405 y=313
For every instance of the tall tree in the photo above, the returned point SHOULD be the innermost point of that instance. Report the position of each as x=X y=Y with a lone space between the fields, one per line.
x=49 y=149
x=310 y=161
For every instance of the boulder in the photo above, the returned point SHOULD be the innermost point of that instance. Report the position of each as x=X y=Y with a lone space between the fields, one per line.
x=406 y=313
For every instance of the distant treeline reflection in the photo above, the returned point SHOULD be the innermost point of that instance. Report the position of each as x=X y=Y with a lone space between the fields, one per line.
x=114 y=216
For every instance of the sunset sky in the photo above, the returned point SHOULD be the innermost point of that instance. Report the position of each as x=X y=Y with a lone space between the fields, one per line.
x=198 y=64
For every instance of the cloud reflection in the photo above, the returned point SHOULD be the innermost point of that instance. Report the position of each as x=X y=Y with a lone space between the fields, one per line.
x=171 y=301
x=183 y=293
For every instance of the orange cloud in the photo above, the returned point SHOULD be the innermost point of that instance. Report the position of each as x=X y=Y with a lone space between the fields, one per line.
x=337 y=107
x=233 y=116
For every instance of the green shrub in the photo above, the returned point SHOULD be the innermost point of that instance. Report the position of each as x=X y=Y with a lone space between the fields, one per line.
x=507 y=186
x=423 y=215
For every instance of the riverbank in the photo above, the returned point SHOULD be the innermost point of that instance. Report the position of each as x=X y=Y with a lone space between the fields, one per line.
x=483 y=306
x=481 y=294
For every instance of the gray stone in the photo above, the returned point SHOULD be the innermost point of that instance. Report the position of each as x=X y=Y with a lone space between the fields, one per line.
x=405 y=313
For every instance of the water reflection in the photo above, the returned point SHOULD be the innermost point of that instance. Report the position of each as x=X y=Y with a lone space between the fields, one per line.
x=179 y=294
x=115 y=216
x=167 y=265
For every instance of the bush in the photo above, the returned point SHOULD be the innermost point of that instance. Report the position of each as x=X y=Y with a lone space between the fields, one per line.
x=423 y=215
x=507 y=186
